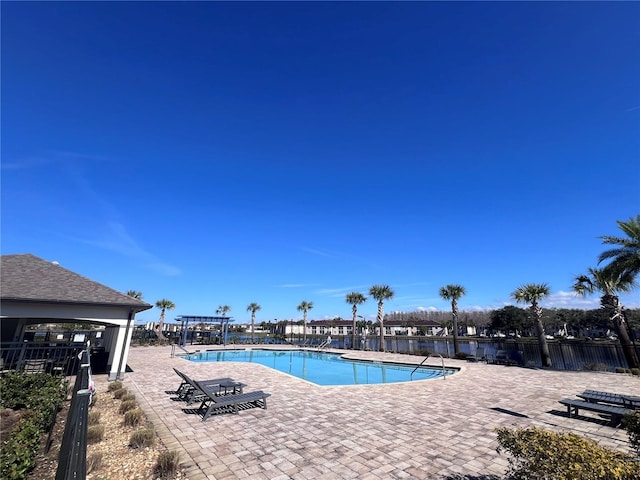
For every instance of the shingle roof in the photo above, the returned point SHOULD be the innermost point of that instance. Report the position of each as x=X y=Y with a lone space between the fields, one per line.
x=27 y=278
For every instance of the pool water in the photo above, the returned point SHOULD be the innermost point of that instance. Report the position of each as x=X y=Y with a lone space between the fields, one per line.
x=323 y=368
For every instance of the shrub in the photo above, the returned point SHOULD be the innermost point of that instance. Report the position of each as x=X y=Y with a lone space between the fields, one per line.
x=128 y=396
x=95 y=433
x=631 y=423
x=18 y=451
x=94 y=462
x=167 y=464
x=117 y=385
x=622 y=370
x=635 y=371
x=132 y=418
x=126 y=406
x=39 y=395
x=540 y=454
x=461 y=356
x=120 y=393
x=93 y=418
x=144 y=437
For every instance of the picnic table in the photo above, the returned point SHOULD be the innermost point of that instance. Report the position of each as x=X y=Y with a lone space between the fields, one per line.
x=613 y=405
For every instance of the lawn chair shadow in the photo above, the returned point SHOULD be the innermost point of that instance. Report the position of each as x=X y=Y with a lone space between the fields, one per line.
x=602 y=421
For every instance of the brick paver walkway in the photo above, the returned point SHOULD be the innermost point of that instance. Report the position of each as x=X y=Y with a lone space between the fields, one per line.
x=418 y=430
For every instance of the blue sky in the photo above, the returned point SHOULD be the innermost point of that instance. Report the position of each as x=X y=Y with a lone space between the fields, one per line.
x=236 y=152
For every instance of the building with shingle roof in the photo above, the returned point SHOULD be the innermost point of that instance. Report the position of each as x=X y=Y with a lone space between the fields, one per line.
x=33 y=290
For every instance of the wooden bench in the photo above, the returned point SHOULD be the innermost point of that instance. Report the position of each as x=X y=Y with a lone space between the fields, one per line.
x=616 y=413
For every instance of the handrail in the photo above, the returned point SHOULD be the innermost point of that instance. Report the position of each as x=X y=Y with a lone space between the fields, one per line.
x=419 y=365
x=322 y=345
x=444 y=374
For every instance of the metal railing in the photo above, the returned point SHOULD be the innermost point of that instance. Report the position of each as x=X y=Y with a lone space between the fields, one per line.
x=72 y=459
x=444 y=372
x=59 y=358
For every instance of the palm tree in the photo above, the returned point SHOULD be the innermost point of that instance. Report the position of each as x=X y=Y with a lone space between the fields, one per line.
x=164 y=305
x=625 y=259
x=304 y=307
x=532 y=293
x=222 y=310
x=135 y=294
x=453 y=293
x=355 y=299
x=381 y=293
x=610 y=284
x=253 y=308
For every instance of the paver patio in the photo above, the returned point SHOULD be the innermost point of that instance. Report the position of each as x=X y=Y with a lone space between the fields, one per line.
x=417 y=430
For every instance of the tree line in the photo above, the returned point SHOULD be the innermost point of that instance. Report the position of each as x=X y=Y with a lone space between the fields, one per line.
x=621 y=265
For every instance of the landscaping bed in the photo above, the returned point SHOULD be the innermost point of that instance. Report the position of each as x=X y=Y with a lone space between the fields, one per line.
x=111 y=458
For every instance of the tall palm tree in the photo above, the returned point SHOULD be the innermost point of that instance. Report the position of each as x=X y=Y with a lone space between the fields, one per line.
x=135 y=294
x=381 y=293
x=222 y=311
x=532 y=293
x=163 y=305
x=453 y=293
x=354 y=299
x=304 y=307
x=610 y=284
x=253 y=308
x=625 y=258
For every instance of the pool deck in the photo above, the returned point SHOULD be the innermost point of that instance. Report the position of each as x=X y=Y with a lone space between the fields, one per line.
x=416 y=430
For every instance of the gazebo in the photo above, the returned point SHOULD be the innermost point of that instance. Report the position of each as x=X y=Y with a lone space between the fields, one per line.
x=35 y=291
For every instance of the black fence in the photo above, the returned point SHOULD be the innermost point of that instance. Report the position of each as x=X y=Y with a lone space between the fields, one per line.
x=72 y=459
x=60 y=358
x=565 y=354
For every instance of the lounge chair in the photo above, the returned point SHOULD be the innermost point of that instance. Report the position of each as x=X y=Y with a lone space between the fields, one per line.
x=214 y=403
x=514 y=357
x=501 y=357
x=189 y=391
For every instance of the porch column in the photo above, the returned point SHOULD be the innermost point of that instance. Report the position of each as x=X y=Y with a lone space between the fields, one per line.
x=118 y=352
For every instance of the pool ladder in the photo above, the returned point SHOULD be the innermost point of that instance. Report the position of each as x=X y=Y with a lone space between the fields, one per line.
x=444 y=373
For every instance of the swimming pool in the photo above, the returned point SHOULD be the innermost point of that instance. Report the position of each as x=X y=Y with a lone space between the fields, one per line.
x=323 y=368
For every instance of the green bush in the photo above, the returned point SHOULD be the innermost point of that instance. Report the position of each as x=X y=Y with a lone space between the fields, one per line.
x=18 y=455
x=540 y=454
x=39 y=396
x=635 y=371
x=144 y=437
x=631 y=423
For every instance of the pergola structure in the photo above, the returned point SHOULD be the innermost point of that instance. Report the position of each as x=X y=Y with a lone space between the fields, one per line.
x=185 y=319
